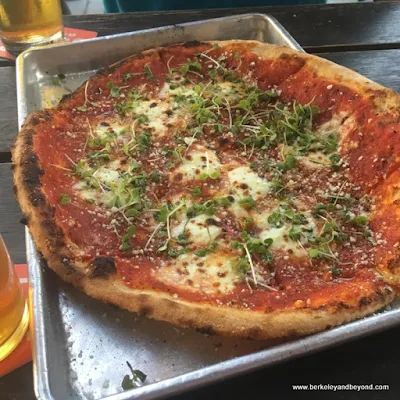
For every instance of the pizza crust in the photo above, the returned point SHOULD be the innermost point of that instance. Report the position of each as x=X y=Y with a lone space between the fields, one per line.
x=297 y=320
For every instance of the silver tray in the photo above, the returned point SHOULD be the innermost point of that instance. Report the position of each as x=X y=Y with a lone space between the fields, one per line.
x=80 y=345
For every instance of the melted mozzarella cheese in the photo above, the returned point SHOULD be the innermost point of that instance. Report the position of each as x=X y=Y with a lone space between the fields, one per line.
x=334 y=124
x=198 y=160
x=112 y=126
x=107 y=175
x=160 y=116
x=280 y=236
x=197 y=230
x=246 y=183
x=281 y=240
x=211 y=274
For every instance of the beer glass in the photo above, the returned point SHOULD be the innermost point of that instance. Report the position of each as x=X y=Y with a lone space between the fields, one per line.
x=14 y=315
x=24 y=23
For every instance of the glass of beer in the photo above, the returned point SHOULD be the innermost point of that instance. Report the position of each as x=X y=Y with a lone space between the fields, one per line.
x=24 y=23
x=14 y=314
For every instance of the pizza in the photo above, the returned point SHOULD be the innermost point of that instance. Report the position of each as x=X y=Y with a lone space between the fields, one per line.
x=235 y=187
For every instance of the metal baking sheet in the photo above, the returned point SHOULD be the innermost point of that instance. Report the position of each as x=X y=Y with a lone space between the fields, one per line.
x=81 y=345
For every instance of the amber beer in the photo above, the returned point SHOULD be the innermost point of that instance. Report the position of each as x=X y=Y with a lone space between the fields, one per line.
x=27 y=22
x=14 y=313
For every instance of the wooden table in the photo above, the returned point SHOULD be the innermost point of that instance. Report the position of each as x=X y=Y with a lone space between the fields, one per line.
x=364 y=37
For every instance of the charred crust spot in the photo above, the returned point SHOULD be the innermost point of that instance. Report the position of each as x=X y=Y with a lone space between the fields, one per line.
x=15 y=190
x=35 y=120
x=365 y=301
x=29 y=137
x=24 y=220
x=48 y=223
x=145 y=310
x=342 y=305
x=207 y=330
x=103 y=267
x=65 y=98
x=254 y=333
x=192 y=43
x=244 y=186
x=69 y=266
x=152 y=105
x=37 y=198
x=32 y=172
x=46 y=115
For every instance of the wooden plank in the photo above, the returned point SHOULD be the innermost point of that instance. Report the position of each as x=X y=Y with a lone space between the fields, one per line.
x=11 y=229
x=18 y=385
x=313 y=26
x=332 y=27
x=8 y=111
x=381 y=66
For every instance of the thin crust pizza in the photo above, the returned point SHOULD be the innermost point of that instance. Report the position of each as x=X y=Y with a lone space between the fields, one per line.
x=235 y=187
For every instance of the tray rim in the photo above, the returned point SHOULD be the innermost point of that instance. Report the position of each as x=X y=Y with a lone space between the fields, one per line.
x=48 y=48
x=213 y=373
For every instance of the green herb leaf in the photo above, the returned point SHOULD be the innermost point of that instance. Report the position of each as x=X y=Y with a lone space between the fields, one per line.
x=127 y=76
x=207 y=250
x=213 y=74
x=277 y=186
x=360 y=220
x=248 y=223
x=290 y=162
x=206 y=208
x=155 y=177
x=126 y=239
x=114 y=90
x=241 y=266
x=142 y=119
x=147 y=72
x=144 y=141
x=127 y=383
x=64 y=199
x=335 y=161
x=247 y=203
x=162 y=214
x=316 y=253
x=295 y=233
x=138 y=377
x=276 y=219
x=132 y=213
x=196 y=192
